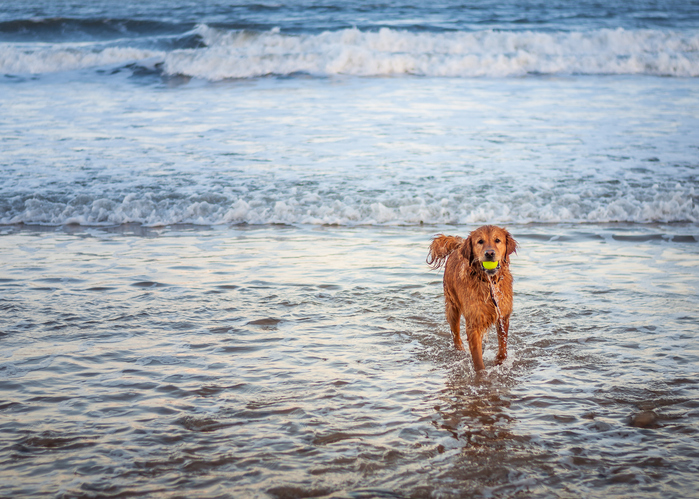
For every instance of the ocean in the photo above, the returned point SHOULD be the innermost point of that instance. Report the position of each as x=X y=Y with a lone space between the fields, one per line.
x=214 y=218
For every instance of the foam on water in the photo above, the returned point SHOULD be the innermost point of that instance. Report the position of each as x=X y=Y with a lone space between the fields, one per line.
x=245 y=54
x=350 y=152
x=461 y=54
x=32 y=60
x=291 y=204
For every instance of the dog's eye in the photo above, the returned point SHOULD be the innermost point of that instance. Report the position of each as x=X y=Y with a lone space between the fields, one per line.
x=497 y=240
x=481 y=241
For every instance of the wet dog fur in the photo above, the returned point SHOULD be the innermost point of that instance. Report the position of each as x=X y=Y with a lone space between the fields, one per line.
x=471 y=291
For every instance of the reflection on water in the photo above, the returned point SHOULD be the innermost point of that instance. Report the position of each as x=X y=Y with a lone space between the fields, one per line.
x=476 y=414
x=316 y=362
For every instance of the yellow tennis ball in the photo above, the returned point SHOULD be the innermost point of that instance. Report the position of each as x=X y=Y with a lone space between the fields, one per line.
x=489 y=265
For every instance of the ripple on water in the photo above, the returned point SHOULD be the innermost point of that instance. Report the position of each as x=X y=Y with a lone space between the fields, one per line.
x=324 y=381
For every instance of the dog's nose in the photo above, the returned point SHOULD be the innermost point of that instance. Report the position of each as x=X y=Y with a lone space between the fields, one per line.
x=490 y=255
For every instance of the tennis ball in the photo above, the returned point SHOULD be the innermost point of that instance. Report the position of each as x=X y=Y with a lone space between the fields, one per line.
x=489 y=265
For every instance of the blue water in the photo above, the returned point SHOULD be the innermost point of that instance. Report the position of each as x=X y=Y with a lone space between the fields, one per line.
x=214 y=218
x=51 y=21
x=539 y=97
x=437 y=39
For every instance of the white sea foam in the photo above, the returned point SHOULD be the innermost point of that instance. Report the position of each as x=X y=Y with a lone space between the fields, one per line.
x=454 y=54
x=657 y=203
x=379 y=151
x=244 y=54
x=59 y=58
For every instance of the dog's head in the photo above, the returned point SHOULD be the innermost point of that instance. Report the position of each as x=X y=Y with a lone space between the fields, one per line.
x=489 y=244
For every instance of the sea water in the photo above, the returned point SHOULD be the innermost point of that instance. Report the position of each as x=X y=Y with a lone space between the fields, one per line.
x=214 y=221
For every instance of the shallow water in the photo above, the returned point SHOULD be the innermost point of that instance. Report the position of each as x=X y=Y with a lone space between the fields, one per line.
x=350 y=151
x=310 y=361
x=214 y=218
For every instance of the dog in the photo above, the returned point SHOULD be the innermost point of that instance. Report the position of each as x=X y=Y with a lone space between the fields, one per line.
x=483 y=296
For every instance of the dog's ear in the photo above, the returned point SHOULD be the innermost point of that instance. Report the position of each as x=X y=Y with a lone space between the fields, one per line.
x=510 y=245
x=467 y=249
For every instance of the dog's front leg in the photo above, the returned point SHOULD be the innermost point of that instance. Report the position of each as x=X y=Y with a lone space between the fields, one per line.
x=475 y=343
x=503 y=327
x=454 y=320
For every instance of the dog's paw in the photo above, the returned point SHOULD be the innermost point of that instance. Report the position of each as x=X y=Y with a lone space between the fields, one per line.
x=459 y=345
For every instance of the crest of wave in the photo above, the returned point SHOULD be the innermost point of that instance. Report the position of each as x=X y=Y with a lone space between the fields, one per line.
x=663 y=202
x=65 y=57
x=241 y=54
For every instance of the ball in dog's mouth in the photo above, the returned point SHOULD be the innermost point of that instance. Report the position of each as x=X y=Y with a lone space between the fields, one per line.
x=490 y=267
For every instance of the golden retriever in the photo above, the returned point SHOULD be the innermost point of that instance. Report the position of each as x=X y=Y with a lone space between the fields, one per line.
x=483 y=296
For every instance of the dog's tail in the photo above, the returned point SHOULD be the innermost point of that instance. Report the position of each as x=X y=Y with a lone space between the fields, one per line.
x=441 y=248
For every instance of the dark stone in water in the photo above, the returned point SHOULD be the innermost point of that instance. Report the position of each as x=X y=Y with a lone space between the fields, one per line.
x=645 y=419
x=285 y=492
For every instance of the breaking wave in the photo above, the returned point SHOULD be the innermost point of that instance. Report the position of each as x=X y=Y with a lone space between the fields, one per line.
x=321 y=204
x=224 y=53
